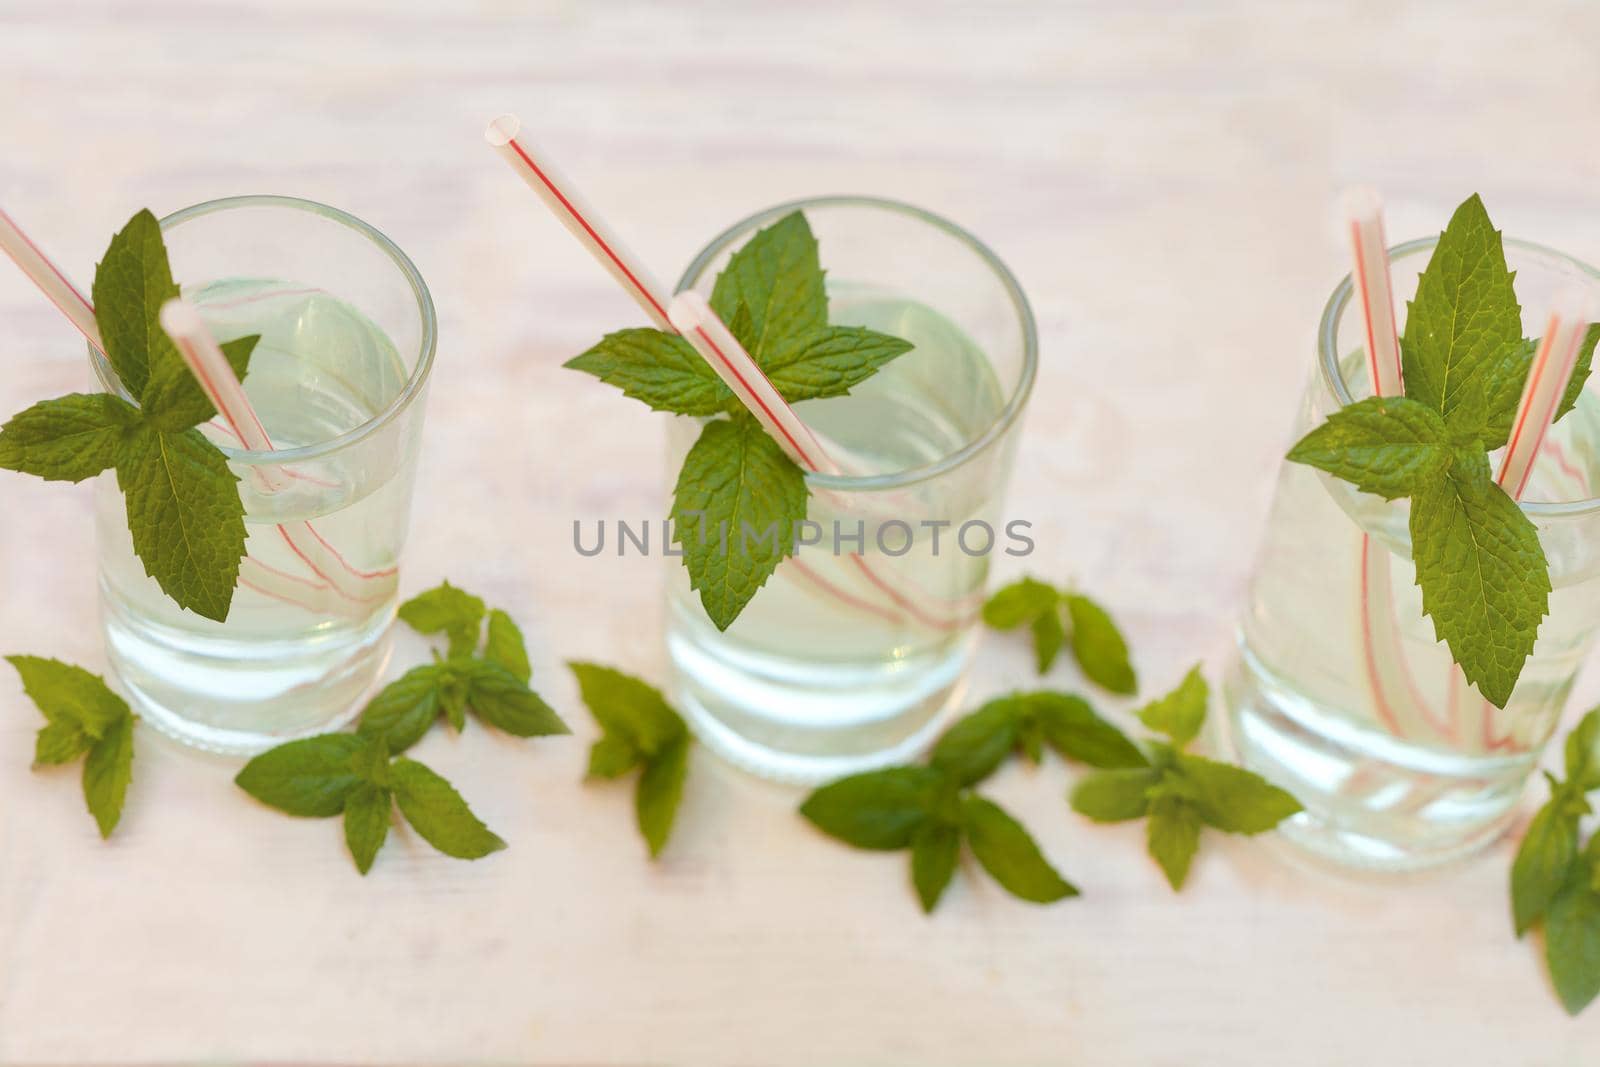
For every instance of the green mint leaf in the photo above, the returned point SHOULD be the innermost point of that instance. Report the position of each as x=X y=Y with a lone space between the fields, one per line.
x=734 y=511
x=453 y=693
x=69 y=438
x=107 y=772
x=173 y=400
x=1009 y=854
x=655 y=800
x=506 y=647
x=1580 y=373
x=1389 y=446
x=61 y=741
x=1482 y=571
x=971 y=749
x=659 y=368
x=447 y=610
x=1021 y=601
x=627 y=709
x=934 y=848
x=312 y=777
x=1099 y=647
x=185 y=517
x=828 y=361
x=877 y=809
x=436 y=812
x=64 y=693
x=1583 y=753
x=367 y=813
x=1071 y=727
x=131 y=283
x=1465 y=314
x=612 y=757
x=1500 y=393
x=1572 y=945
x=1180 y=713
x=1115 y=796
x=502 y=700
x=403 y=712
x=778 y=277
x=1173 y=836
x=1049 y=636
x=1544 y=863
x=1231 y=798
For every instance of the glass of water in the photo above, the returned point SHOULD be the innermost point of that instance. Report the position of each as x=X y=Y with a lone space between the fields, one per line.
x=1340 y=692
x=855 y=648
x=339 y=379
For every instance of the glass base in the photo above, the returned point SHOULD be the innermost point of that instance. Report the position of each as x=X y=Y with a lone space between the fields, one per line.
x=1372 y=802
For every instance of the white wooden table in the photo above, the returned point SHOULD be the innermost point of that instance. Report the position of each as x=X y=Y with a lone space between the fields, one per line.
x=1161 y=178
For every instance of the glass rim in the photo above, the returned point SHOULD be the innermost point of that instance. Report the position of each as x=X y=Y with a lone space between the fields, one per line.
x=1333 y=376
x=1015 y=402
x=408 y=270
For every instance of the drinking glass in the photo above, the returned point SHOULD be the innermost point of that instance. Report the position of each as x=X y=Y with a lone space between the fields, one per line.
x=339 y=380
x=853 y=651
x=1340 y=692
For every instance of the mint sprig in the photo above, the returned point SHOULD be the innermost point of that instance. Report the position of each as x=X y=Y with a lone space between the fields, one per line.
x=184 y=512
x=1059 y=619
x=739 y=498
x=639 y=730
x=1485 y=581
x=493 y=685
x=83 y=717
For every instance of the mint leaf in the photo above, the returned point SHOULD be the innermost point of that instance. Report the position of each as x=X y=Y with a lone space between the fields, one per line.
x=1483 y=574
x=1583 y=753
x=778 y=277
x=1572 y=944
x=312 y=777
x=1048 y=638
x=877 y=809
x=1098 y=646
x=1072 y=728
x=1180 y=713
x=173 y=400
x=1231 y=798
x=1389 y=446
x=67 y=694
x=506 y=647
x=131 y=283
x=436 y=811
x=1021 y=601
x=367 y=813
x=971 y=749
x=1580 y=373
x=185 y=517
x=629 y=711
x=500 y=699
x=1009 y=854
x=446 y=609
x=660 y=788
x=1115 y=796
x=1173 y=837
x=612 y=757
x=69 y=438
x=1544 y=862
x=828 y=361
x=61 y=741
x=404 y=711
x=107 y=772
x=734 y=511
x=1465 y=314
x=659 y=368
x=934 y=848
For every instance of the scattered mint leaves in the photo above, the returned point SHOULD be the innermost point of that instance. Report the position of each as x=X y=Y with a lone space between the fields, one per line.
x=184 y=511
x=1485 y=581
x=354 y=776
x=1059 y=619
x=772 y=297
x=1180 y=793
x=83 y=717
x=976 y=744
x=638 y=729
x=494 y=686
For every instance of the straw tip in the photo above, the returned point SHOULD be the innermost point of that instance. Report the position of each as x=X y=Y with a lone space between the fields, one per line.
x=179 y=318
x=502 y=130
x=1572 y=304
x=1360 y=202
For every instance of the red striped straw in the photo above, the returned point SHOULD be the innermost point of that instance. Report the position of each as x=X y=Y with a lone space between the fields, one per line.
x=1363 y=210
x=48 y=277
x=1553 y=363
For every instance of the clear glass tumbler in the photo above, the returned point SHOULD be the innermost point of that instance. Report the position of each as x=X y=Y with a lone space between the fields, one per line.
x=850 y=654
x=339 y=379
x=1340 y=692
